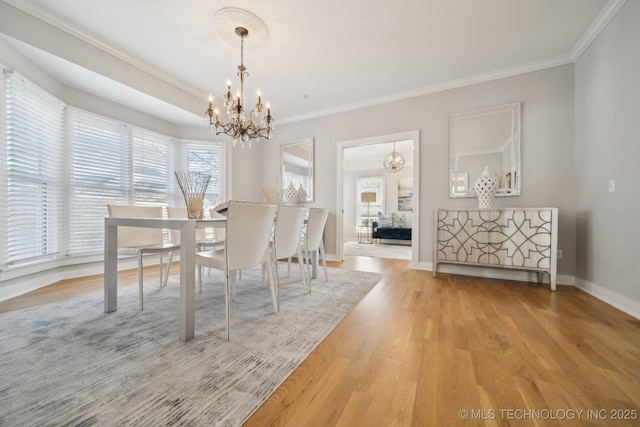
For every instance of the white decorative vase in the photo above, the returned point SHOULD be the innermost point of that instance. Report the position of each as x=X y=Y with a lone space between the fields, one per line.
x=290 y=195
x=302 y=194
x=486 y=186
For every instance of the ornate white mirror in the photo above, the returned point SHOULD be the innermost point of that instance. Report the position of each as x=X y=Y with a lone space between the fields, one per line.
x=296 y=166
x=488 y=137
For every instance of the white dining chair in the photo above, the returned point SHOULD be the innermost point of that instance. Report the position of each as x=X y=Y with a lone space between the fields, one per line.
x=219 y=232
x=287 y=239
x=141 y=241
x=202 y=241
x=313 y=238
x=246 y=244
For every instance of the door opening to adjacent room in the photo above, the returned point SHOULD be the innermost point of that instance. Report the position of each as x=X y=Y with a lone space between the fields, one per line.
x=377 y=205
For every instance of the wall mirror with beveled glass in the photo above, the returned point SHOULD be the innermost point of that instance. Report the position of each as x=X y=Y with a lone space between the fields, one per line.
x=296 y=166
x=487 y=137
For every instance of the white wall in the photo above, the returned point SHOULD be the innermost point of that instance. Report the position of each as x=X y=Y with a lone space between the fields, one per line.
x=548 y=177
x=608 y=148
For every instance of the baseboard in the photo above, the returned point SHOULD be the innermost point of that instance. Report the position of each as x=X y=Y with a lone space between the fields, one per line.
x=30 y=282
x=622 y=303
x=492 y=273
x=614 y=299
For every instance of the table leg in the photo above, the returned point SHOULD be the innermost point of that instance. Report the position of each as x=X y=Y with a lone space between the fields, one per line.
x=187 y=280
x=110 y=268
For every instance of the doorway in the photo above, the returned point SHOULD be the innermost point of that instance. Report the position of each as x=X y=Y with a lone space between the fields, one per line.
x=366 y=192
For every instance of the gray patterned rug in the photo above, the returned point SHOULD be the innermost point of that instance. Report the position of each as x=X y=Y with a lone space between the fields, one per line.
x=69 y=363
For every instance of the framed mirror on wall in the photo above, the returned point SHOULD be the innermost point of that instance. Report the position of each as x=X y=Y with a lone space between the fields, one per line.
x=487 y=137
x=296 y=166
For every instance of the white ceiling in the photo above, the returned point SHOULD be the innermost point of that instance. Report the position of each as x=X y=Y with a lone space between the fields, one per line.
x=321 y=57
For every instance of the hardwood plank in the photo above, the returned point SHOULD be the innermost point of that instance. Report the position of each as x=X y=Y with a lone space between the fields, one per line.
x=419 y=349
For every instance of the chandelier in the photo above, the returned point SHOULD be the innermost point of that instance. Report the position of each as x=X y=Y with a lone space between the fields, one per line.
x=393 y=162
x=241 y=126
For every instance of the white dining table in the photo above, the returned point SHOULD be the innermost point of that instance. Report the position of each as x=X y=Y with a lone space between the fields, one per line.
x=187 y=227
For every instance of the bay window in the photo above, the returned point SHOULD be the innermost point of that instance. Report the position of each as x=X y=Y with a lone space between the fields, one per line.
x=63 y=165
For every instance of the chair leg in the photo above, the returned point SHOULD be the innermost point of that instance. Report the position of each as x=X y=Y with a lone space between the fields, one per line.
x=324 y=260
x=140 y=279
x=166 y=274
x=289 y=266
x=161 y=282
x=305 y=281
x=272 y=284
x=200 y=277
x=233 y=283
x=226 y=299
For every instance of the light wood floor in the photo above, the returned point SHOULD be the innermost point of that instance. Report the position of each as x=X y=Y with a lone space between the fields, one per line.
x=453 y=350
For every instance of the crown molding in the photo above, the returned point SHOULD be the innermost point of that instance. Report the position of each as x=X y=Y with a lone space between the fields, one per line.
x=453 y=84
x=587 y=38
x=595 y=28
x=64 y=25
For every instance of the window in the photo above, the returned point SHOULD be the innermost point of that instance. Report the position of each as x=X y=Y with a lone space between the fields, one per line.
x=208 y=157
x=368 y=212
x=112 y=162
x=153 y=166
x=32 y=196
x=62 y=166
x=99 y=173
x=460 y=183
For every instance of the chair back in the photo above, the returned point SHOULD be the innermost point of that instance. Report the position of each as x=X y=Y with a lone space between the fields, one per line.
x=201 y=233
x=218 y=233
x=315 y=228
x=137 y=237
x=249 y=227
x=289 y=222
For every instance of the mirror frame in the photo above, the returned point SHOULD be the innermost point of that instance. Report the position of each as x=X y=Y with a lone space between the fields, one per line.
x=308 y=142
x=515 y=110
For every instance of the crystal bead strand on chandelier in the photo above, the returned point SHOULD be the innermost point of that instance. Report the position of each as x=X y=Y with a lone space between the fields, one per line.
x=240 y=127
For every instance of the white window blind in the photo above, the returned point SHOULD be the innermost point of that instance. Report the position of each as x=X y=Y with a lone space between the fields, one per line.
x=99 y=172
x=153 y=166
x=62 y=166
x=208 y=157
x=32 y=205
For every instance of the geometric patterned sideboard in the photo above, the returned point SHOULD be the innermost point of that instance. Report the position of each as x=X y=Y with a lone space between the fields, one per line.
x=519 y=238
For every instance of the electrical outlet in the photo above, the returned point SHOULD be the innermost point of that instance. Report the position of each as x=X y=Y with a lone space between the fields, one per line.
x=559 y=253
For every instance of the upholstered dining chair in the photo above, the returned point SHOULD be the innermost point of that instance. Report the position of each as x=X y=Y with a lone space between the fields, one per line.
x=141 y=241
x=287 y=238
x=313 y=237
x=246 y=244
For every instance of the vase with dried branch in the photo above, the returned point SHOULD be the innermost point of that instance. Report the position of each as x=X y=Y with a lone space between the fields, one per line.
x=272 y=196
x=193 y=186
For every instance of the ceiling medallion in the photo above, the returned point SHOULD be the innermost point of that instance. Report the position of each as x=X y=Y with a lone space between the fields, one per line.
x=228 y=19
x=240 y=126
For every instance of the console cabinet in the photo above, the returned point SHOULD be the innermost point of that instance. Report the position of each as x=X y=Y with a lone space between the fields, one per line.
x=519 y=238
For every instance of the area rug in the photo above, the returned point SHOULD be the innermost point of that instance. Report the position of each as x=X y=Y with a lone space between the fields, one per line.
x=69 y=363
x=381 y=250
